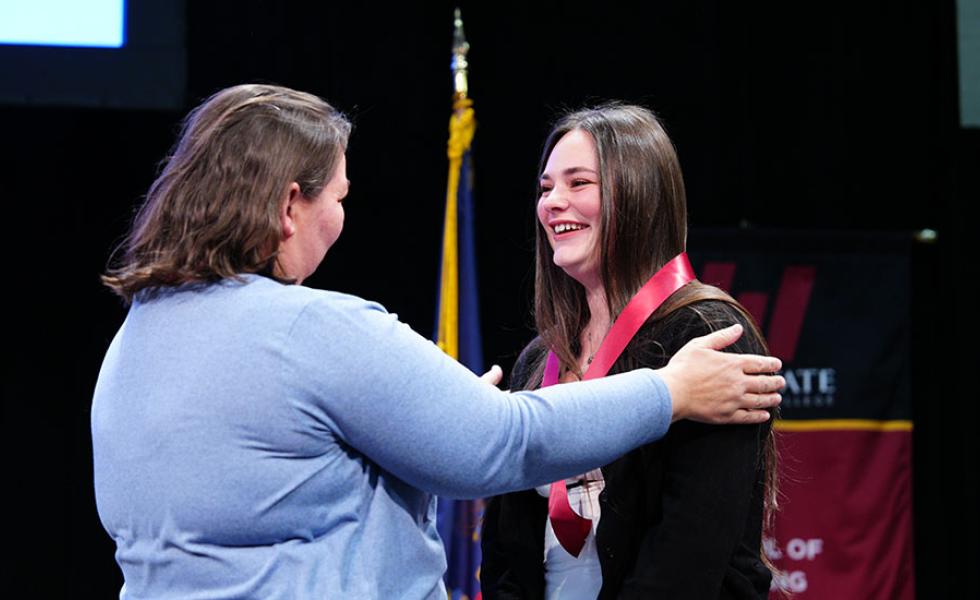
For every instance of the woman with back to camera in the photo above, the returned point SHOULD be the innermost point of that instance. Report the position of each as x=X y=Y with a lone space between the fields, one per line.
x=254 y=438
x=678 y=518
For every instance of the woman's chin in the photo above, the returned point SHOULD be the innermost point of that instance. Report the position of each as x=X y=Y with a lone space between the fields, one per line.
x=578 y=272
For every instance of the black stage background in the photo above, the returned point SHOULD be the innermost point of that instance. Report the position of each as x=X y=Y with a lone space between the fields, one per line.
x=816 y=116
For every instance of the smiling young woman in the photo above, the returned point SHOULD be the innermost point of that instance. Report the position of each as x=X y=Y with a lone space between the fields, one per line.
x=678 y=518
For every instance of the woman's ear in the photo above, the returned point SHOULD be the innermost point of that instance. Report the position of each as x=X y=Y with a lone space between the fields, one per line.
x=287 y=223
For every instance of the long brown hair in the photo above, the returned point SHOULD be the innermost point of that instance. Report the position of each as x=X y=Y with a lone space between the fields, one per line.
x=213 y=211
x=643 y=224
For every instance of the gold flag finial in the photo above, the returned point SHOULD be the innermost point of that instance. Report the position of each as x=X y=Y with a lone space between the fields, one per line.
x=459 y=64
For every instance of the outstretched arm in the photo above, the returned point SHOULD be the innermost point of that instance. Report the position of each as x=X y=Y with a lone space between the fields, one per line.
x=424 y=417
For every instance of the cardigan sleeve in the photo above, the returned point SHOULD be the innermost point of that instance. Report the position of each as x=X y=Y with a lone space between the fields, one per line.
x=710 y=476
x=380 y=388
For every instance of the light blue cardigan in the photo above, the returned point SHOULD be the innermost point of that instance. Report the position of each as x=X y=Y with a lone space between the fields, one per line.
x=259 y=440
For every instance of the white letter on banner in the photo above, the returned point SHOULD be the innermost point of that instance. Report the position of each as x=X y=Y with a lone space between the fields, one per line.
x=794 y=581
x=798 y=548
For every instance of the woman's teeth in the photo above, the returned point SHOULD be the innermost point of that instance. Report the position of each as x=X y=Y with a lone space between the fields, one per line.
x=563 y=227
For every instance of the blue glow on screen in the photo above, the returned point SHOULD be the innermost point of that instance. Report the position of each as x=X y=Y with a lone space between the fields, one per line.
x=84 y=23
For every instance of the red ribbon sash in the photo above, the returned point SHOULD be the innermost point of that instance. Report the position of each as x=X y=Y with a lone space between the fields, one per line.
x=571 y=529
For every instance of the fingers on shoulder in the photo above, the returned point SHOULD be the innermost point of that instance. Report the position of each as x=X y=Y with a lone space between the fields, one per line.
x=756 y=363
x=751 y=417
x=762 y=384
x=720 y=339
x=761 y=401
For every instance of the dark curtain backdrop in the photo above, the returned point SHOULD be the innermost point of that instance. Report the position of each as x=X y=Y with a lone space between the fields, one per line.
x=790 y=116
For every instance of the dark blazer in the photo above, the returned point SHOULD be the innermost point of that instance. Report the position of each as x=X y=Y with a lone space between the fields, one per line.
x=681 y=517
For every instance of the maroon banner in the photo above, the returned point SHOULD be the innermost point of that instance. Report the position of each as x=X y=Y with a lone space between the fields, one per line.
x=835 y=309
x=844 y=529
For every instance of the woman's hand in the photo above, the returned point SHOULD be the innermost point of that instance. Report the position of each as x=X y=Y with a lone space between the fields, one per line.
x=710 y=386
x=493 y=376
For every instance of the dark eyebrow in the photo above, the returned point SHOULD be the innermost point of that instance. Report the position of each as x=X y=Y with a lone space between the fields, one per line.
x=572 y=171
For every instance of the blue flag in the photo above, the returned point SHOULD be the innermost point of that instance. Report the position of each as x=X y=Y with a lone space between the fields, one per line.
x=458 y=334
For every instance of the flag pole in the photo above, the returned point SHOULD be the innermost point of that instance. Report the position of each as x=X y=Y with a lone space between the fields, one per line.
x=459 y=64
x=462 y=126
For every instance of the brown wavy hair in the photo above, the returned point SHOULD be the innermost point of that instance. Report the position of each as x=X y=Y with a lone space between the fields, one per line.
x=213 y=210
x=643 y=225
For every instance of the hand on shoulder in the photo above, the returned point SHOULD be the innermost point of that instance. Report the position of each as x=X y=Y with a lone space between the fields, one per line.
x=711 y=386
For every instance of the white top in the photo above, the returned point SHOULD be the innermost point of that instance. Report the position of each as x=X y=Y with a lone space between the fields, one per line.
x=567 y=577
